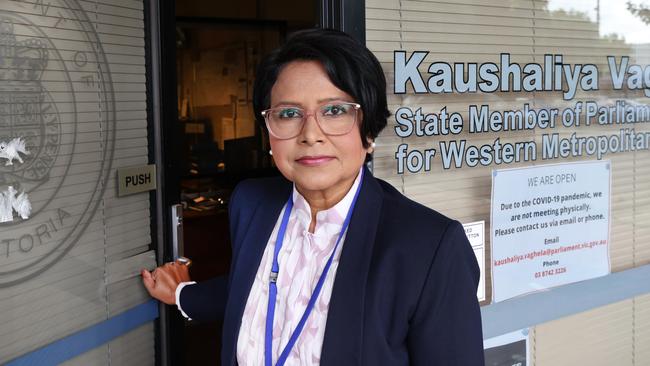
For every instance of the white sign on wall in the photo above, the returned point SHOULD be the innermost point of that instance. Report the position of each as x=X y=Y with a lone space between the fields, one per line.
x=475 y=232
x=550 y=226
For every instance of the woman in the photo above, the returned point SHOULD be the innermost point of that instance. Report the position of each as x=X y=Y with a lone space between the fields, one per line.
x=360 y=274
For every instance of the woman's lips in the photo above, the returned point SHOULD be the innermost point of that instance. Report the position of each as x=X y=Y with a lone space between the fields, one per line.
x=314 y=160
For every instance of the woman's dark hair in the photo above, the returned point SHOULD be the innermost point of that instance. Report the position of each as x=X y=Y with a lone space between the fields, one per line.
x=349 y=65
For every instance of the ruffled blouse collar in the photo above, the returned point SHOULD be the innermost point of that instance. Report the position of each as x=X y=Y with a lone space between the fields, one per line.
x=328 y=222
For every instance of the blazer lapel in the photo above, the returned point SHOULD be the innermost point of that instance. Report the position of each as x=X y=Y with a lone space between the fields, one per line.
x=245 y=266
x=344 y=330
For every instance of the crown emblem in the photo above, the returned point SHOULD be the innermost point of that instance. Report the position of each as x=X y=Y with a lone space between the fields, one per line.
x=20 y=60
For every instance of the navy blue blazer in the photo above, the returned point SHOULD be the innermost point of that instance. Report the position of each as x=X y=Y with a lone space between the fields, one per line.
x=405 y=287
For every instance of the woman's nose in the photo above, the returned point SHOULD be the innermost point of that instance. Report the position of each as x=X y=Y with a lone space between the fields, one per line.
x=311 y=131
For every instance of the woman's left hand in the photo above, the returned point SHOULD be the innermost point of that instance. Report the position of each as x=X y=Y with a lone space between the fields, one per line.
x=161 y=283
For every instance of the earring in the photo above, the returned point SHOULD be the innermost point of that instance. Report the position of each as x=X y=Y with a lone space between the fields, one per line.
x=373 y=145
x=270 y=152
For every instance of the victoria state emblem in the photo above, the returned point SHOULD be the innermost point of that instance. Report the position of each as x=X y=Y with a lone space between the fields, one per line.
x=56 y=97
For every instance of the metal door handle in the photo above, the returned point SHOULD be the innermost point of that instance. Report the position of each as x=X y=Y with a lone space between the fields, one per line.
x=177 y=231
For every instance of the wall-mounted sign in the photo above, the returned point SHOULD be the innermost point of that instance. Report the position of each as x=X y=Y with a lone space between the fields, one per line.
x=550 y=226
x=475 y=232
x=449 y=126
x=136 y=179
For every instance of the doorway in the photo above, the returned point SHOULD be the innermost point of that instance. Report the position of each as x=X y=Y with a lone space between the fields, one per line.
x=218 y=141
x=207 y=136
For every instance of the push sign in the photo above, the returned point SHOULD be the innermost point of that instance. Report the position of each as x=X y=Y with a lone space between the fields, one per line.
x=136 y=179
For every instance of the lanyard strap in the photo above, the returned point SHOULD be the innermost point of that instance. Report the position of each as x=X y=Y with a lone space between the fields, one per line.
x=273 y=290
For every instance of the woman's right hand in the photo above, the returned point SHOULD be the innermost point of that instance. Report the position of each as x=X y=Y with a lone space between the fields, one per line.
x=161 y=283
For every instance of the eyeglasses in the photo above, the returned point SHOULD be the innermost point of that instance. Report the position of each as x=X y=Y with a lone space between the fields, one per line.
x=333 y=118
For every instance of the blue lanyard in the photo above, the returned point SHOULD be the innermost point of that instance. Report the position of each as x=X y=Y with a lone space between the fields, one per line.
x=273 y=289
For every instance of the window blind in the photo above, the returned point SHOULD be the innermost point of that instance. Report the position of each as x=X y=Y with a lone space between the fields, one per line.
x=479 y=31
x=74 y=89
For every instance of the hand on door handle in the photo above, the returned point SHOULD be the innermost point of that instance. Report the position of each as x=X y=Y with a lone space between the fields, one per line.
x=161 y=283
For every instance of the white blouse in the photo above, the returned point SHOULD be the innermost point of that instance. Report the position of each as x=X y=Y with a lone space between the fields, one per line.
x=301 y=259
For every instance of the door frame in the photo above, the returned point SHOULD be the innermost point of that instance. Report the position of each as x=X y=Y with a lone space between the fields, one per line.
x=348 y=16
x=162 y=127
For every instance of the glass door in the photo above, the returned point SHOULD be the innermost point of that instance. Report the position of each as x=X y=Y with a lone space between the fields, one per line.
x=73 y=112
